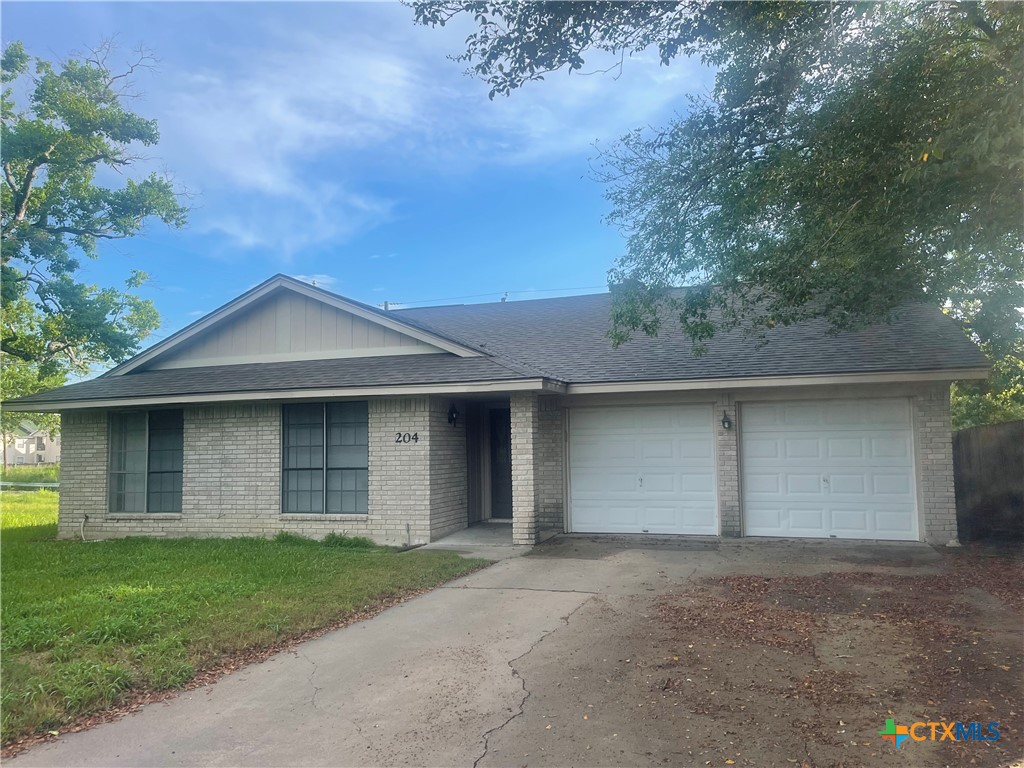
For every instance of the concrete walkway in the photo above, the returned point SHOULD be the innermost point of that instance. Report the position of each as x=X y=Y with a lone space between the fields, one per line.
x=493 y=669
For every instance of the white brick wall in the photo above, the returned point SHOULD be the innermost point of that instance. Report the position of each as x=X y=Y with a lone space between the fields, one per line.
x=934 y=442
x=400 y=472
x=83 y=471
x=550 y=447
x=232 y=477
x=726 y=453
x=417 y=490
x=525 y=499
x=449 y=481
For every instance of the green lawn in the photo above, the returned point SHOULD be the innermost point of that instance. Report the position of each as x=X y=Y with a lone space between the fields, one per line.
x=32 y=473
x=84 y=624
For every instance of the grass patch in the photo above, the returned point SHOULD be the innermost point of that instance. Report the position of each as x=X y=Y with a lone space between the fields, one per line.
x=48 y=473
x=28 y=516
x=84 y=624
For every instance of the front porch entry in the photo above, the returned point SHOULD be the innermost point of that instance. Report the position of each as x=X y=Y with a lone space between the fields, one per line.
x=489 y=459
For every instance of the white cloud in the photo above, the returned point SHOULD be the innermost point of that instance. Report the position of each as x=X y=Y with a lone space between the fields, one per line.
x=273 y=138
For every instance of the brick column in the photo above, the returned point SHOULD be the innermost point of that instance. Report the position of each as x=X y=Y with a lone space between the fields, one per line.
x=525 y=426
x=935 y=465
x=727 y=451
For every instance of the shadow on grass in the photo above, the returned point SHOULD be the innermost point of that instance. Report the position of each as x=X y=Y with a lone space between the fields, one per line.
x=29 y=533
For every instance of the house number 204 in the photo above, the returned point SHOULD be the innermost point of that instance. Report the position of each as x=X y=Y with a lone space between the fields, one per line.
x=405 y=437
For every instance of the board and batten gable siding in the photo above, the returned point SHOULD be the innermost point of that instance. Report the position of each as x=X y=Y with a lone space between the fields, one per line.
x=231 y=484
x=290 y=326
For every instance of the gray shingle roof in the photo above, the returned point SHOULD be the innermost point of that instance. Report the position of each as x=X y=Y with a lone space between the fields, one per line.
x=281 y=377
x=565 y=339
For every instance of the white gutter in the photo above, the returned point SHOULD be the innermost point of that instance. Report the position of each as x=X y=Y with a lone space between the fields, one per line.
x=776 y=381
x=325 y=393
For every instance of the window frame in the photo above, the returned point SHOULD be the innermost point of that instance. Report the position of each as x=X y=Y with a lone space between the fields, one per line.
x=324 y=469
x=146 y=472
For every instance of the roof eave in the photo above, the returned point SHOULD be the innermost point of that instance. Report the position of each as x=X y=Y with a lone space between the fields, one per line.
x=319 y=393
x=879 y=377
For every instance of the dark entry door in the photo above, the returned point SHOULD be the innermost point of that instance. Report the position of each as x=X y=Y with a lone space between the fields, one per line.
x=501 y=463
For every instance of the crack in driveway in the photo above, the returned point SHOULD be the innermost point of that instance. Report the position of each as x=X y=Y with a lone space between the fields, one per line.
x=515 y=674
x=316 y=688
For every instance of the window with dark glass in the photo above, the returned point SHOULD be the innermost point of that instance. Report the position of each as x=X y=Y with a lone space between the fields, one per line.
x=325 y=460
x=146 y=452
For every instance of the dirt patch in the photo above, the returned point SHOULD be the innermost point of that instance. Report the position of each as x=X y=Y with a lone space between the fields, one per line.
x=805 y=669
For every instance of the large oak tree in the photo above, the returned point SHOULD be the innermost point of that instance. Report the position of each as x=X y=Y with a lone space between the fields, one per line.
x=61 y=125
x=852 y=158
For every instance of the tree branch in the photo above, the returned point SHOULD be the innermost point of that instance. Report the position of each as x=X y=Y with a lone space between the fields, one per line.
x=106 y=234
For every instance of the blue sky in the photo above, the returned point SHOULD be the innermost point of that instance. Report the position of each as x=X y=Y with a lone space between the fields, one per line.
x=337 y=140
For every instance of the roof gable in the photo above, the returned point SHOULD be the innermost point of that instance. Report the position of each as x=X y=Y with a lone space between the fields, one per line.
x=285 y=320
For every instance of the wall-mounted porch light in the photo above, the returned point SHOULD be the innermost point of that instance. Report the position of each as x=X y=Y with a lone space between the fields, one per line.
x=726 y=421
x=453 y=415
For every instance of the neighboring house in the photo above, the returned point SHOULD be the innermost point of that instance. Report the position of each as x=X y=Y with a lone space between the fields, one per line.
x=31 y=445
x=294 y=409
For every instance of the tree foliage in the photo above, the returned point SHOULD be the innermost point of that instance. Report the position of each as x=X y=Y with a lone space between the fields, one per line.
x=61 y=126
x=852 y=157
x=996 y=399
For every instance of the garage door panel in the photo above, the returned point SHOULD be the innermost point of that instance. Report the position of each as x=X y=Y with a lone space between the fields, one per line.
x=761 y=519
x=845 y=448
x=803 y=519
x=701 y=518
x=660 y=482
x=850 y=520
x=891 y=485
x=657 y=449
x=801 y=448
x=762 y=447
x=597 y=483
x=895 y=520
x=600 y=517
x=800 y=484
x=846 y=485
x=757 y=483
x=890 y=448
x=699 y=483
x=840 y=415
x=840 y=468
x=664 y=484
x=696 y=448
x=800 y=414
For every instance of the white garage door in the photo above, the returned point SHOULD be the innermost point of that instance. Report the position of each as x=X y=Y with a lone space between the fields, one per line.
x=642 y=469
x=829 y=469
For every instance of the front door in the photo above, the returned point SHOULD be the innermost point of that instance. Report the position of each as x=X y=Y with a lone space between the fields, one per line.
x=501 y=463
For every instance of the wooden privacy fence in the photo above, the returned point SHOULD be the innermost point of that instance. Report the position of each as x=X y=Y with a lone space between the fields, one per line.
x=988 y=465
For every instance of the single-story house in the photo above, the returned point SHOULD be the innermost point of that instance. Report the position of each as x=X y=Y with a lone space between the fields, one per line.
x=294 y=409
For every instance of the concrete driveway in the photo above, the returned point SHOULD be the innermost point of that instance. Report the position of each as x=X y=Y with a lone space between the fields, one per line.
x=525 y=662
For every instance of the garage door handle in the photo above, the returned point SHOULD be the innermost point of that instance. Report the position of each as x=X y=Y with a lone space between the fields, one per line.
x=641 y=481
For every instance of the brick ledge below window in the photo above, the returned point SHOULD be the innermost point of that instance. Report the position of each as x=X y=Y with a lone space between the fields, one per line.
x=314 y=517
x=143 y=516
